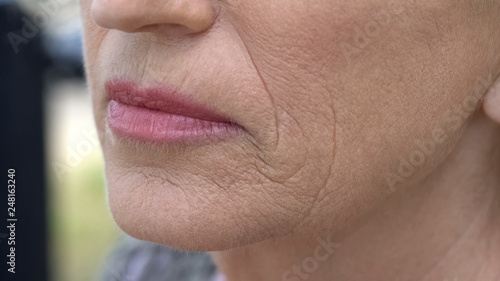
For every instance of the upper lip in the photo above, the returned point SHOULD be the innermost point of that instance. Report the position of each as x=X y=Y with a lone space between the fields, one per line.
x=160 y=98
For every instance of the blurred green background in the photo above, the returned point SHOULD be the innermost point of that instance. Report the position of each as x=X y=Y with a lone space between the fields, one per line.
x=81 y=229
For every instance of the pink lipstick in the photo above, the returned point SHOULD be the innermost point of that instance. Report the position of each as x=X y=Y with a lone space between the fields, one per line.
x=162 y=114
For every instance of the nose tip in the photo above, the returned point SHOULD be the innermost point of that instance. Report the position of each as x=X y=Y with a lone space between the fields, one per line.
x=140 y=15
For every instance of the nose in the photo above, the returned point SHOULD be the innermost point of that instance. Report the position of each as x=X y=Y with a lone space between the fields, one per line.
x=141 y=15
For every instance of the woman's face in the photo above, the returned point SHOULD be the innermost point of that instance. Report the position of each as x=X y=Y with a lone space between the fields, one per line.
x=339 y=103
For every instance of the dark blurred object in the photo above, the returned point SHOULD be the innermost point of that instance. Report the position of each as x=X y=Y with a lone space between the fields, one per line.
x=63 y=45
x=22 y=145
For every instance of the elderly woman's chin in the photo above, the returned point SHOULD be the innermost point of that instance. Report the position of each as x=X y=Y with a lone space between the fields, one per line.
x=195 y=215
x=205 y=197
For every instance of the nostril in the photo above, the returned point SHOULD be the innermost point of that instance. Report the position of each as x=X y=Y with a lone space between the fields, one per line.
x=179 y=16
x=114 y=14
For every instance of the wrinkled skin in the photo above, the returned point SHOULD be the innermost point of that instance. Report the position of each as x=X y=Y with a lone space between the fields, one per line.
x=332 y=95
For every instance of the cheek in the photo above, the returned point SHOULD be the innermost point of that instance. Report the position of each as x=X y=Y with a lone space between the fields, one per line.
x=93 y=38
x=288 y=52
x=374 y=97
x=403 y=100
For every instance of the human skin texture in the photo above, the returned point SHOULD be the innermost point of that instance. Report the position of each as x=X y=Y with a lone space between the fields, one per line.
x=361 y=119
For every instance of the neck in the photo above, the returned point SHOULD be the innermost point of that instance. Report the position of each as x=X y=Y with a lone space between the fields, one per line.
x=446 y=227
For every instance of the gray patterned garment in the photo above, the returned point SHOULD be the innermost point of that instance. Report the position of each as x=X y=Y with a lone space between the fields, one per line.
x=136 y=260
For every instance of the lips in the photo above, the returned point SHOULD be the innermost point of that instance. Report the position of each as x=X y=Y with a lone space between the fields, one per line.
x=162 y=114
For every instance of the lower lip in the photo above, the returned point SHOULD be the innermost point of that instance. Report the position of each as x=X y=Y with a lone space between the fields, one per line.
x=151 y=125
